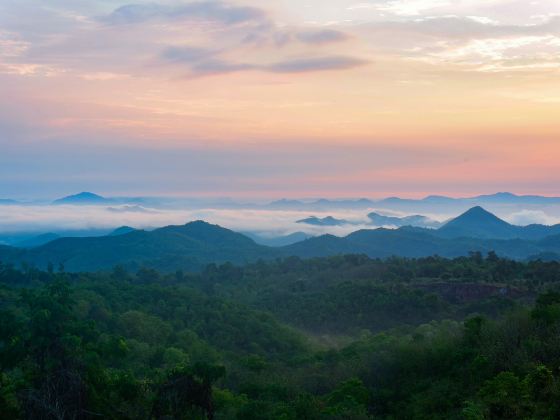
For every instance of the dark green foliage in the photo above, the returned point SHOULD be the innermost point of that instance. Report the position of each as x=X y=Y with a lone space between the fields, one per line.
x=345 y=337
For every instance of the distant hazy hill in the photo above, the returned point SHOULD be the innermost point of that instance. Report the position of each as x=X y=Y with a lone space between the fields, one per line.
x=7 y=201
x=375 y=219
x=414 y=220
x=37 y=240
x=500 y=198
x=325 y=221
x=321 y=204
x=83 y=198
x=506 y=197
x=123 y=230
x=277 y=241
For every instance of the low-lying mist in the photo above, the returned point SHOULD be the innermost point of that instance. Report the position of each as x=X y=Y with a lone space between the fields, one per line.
x=38 y=219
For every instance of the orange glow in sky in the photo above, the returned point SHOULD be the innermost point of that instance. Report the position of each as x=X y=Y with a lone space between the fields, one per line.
x=270 y=98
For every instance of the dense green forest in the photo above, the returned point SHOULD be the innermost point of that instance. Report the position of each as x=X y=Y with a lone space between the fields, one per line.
x=344 y=337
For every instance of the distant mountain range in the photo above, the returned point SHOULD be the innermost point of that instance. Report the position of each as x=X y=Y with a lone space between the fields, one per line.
x=429 y=203
x=426 y=204
x=196 y=244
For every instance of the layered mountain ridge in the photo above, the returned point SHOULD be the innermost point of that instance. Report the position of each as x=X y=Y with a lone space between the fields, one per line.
x=194 y=245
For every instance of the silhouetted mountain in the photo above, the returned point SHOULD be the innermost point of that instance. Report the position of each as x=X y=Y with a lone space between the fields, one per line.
x=414 y=220
x=325 y=221
x=123 y=230
x=83 y=198
x=477 y=223
x=37 y=240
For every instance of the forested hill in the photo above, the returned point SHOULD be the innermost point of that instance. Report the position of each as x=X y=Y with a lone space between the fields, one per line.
x=189 y=247
x=192 y=246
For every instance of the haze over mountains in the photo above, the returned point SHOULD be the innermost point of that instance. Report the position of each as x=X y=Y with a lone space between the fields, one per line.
x=375 y=219
x=325 y=221
x=196 y=244
x=279 y=223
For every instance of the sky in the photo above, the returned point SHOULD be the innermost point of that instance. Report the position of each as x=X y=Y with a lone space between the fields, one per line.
x=283 y=98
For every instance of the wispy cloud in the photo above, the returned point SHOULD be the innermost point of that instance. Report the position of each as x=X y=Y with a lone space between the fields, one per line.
x=302 y=65
x=208 y=62
x=11 y=45
x=206 y=10
x=320 y=37
x=528 y=217
x=471 y=43
x=188 y=54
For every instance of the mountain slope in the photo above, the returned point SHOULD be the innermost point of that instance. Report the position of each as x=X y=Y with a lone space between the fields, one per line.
x=479 y=223
x=278 y=241
x=123 y=230
x=37 y=240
